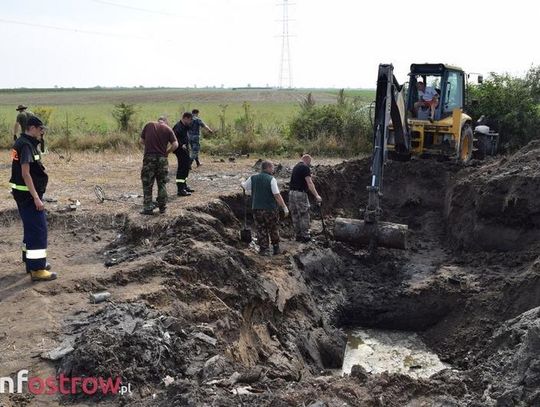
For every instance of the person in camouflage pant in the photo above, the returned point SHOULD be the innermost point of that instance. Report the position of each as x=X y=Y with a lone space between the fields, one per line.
x=300 y=184
x=155 y=168
x=155 y=138
x=267 y=224
x=266 y=199
x=299 y=206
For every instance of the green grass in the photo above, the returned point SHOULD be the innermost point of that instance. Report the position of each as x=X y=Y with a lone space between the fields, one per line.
x=94 y=106
x=85 y=114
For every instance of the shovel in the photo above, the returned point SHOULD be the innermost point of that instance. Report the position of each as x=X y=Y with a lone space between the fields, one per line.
x=327 y=241
x=245 y=233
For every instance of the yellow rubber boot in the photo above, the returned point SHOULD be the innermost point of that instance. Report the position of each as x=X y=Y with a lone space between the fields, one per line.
x=43 y=275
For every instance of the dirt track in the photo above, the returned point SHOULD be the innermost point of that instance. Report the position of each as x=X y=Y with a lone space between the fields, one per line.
x=230 y=328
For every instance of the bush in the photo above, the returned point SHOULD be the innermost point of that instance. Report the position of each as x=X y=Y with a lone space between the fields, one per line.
x=510 y=105
x=44 y=113
x=124 y=113
x=343 y=128
x=323 y=119
x=93 y=142
x=533 y=81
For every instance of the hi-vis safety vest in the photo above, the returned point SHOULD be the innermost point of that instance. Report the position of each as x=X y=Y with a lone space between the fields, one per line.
x=37 y=170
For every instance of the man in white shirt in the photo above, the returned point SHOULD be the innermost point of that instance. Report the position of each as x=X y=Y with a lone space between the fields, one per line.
x=427 y=97
x=265 y=201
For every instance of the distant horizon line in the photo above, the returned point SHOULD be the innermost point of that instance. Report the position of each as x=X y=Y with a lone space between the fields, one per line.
x=140 y=87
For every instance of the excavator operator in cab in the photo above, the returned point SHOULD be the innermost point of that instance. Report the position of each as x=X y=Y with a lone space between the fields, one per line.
x=427 y=97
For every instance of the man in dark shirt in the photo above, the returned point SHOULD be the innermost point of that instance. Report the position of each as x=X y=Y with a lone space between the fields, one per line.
x=299 y=186
x=155 y=138
x=181 y=130
x=195 y=136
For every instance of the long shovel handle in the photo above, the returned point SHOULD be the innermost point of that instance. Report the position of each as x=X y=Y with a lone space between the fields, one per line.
x=245 y=206
x=323 y=224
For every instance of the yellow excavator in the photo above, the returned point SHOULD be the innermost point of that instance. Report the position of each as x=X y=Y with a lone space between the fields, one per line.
x=449 y=132
x=405 y=125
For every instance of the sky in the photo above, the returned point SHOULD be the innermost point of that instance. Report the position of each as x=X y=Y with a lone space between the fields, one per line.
x=180 y=43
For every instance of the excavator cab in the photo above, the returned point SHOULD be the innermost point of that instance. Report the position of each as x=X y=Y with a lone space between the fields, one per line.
x=449 y=132
x=447 y=81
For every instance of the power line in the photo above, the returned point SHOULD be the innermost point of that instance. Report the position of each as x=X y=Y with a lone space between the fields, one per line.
x=76 y=30
x=145 y=10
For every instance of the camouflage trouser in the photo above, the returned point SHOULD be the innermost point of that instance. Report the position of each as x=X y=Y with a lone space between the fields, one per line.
x=299 y=207
x=195 y=144
x=267 y=223
x=155 y=167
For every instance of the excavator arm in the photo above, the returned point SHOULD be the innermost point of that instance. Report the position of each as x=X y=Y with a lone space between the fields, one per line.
x=389 y=111
x=389 y=107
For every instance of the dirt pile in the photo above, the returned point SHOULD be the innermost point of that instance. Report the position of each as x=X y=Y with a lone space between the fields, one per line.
x=129 y=341
x=497 y=206
x=221 y=310
x=512 y=354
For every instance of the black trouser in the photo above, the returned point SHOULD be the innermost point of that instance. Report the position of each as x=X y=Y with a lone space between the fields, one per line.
x=34 y=234
x=182 y=171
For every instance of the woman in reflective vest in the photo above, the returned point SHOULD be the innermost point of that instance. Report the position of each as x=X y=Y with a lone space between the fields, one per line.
x=28 y=183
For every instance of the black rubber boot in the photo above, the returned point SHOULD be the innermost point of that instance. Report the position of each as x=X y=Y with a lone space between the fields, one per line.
x=182 y=190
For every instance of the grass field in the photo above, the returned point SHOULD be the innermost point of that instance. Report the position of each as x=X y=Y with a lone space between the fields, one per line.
x=86 y=114
x=95 y=105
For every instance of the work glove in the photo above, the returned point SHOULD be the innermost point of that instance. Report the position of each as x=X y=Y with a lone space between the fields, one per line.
x=318 y=199
x=285 y=211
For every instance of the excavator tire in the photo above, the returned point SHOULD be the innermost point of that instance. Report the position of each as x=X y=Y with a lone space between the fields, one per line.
x=466 y=144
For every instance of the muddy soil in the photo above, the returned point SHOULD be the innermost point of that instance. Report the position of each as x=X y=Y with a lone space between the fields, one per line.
x=198 y=318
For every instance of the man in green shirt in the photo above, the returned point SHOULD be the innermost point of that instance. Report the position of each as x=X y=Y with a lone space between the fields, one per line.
x=21 y=121
x=265 y=200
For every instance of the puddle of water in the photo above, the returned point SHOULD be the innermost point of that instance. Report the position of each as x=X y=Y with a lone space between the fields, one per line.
x=378 y=351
